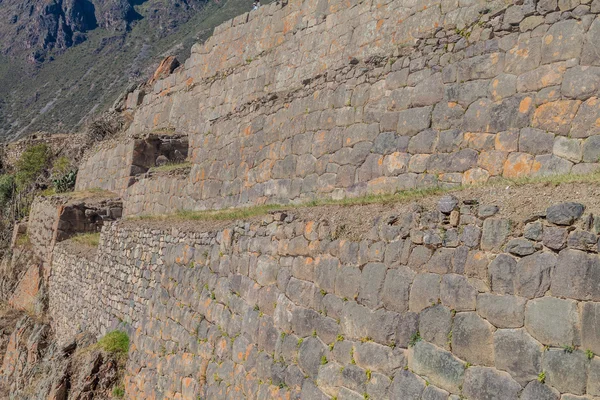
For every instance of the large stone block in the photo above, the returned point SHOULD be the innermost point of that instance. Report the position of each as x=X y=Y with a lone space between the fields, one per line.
x=590 y=327
x=487 y=383
x=576 y=275
x=396 y=289
x=472 y=339
x=538 y=391
x=457 y=293
x=535 y=141
x=502 y=271
x=566 y=371
x=425 y=291
x=435 y=323
x=503 y=311
x=519 y=354
x=377 y=357
x=495 y=233
x=593 y=385
x=552 y=321
x=533 y=274
x=407 y=386
x=525 y=56
x=443 y=369
x=414 y=120
x=373 y=276
x=556 y=116
x=585 y=123
x=581 y=83
x=562 y=41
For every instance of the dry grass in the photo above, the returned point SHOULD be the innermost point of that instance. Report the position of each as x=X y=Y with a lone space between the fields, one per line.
x=87 y=239
x=399 y=197
x=172 y=167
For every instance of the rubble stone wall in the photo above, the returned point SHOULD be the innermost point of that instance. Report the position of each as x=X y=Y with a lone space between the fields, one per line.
x=343 y=98
x=454 y=302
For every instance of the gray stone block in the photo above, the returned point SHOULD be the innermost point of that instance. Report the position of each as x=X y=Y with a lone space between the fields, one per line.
x=407 y=386
x=377 y=357
x=564 y=213
x=502 y=311
x=435 y=324
x=396 y=289
x=425 y=292
x=518 y=354
x=495 y=232
x=552 y=321
x=533 y=274
x=563 y=41
x=593 y=384
x=535 y=141
x=555 y=238
x=440 y=366
x=590 y=327
x=373 y=276
x=521 y=247
x=566 y=371
x=502 y=271
x=472 y=339
x=487 y=383
x=538 y=391
x=576 y=275
x=457 y=293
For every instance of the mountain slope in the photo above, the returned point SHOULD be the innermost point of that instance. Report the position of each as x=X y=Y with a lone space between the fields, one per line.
x=54 y=75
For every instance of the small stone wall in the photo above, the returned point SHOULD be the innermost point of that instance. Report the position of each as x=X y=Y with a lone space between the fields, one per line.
x=108 y=168
x=68 y=145
x=335 y=99
x=447 y=303
x=53 y=219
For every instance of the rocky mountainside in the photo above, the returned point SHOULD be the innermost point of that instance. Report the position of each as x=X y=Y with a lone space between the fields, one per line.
x=63 y=60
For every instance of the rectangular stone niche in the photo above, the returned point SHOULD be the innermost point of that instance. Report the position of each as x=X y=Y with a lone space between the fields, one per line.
x=156 y=150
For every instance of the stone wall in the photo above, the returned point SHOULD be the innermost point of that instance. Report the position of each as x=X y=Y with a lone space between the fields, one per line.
x=54 y=219
x=420 y=303
x=68 y=145
x=109 y=168
x=342 y=98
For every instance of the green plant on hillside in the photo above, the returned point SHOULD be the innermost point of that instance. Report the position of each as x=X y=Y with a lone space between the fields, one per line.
x=61 y=166
x=31 y=165
x=116 y=342
x=118 y=392
x=7 y=188
x=66 y=182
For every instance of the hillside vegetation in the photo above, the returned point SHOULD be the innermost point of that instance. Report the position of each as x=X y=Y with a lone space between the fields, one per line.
x=59 y=88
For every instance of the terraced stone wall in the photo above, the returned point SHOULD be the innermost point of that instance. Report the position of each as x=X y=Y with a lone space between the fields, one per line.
x=344 y=98
x=454 y=302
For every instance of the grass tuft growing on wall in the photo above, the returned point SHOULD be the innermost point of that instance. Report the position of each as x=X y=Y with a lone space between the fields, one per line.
x=116 y=342
x=87 y=239
x=171 y=167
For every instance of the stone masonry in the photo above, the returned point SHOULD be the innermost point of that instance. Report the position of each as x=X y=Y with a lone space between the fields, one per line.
x=306 y=99
x=450 y=303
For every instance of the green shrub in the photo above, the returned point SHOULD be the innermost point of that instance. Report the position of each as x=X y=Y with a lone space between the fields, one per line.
x=61 y=166
x=115 y=342
x=7 y=188
x=31 y=165
x=66 y=183
x=118 y=392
